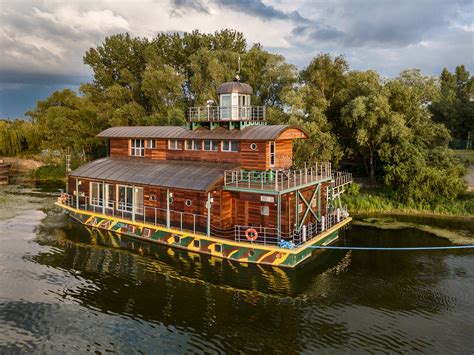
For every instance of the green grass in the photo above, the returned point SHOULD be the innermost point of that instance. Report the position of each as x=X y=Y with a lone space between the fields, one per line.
x=380 y=201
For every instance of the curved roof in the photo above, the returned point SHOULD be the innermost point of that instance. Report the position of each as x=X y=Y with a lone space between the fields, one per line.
x=254 y=133
x=189 y=175
x=234 y=86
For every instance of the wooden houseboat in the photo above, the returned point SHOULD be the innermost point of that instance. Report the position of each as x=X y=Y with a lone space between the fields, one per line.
x=224 y=184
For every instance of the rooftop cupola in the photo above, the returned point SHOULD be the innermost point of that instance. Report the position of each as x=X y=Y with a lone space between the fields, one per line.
x=234 y=107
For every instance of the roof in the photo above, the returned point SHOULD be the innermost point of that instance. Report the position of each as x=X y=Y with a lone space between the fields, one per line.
x=253 y=133
x=189 y=175
x=234 y=86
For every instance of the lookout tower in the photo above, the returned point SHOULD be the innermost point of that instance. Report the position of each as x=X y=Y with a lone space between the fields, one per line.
x=234 y=109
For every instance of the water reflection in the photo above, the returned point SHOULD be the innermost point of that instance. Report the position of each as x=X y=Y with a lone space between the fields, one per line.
x=73 y=289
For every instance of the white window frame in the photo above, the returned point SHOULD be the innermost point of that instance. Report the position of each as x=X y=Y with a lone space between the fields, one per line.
x=109 y=203
x=195 y=144
x=125 y=209
x=272 y=155
x=137 y=150
x=212 y=144
x=150 y=144
x=96 y=200
x=229 y=149
x=175 y=144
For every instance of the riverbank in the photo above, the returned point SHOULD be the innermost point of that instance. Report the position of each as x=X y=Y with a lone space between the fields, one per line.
x=379 y=201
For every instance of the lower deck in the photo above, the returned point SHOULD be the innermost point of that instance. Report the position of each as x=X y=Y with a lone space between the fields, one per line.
x=285 y=255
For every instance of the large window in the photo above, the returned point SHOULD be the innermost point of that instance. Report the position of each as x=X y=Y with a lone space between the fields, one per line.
x=226 y=107
x=150 y=144
x=230 y=146
x=137 y=148
x=126 y=199
x=210 y=145
x=193 y=144
x=272 y=153
x=96 y=193
x=175 y=144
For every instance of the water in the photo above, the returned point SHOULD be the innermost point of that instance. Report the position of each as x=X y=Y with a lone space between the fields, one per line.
x=66 y=289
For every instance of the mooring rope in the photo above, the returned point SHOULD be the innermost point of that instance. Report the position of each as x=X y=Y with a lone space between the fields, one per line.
x=394 y=248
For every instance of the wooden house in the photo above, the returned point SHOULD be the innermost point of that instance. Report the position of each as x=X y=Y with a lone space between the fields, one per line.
x=225 y=176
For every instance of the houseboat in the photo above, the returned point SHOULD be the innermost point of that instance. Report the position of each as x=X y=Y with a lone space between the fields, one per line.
x=224 y=185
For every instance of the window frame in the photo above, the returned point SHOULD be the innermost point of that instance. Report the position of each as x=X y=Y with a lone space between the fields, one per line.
x=230 y=144
x=213 y=144
x=272 y=153
x=96 y=201
x=134 y=148
x=178 y=144
x=195 y=144
x=150 y=144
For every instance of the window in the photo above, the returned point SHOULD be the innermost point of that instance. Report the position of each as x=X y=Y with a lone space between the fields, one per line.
x=253 y=146
x=193 y=144
x=272 y=153
x=230 y=146
x=150 y=144
x=109 y=195
x=124 y=198
x=189 y=203
x=137 y=148
x=177 y=239
x=196 y=243
x=218 y=248
x=175 y=144
x=226 y=107
x=96 y=194
x=210 y=145
x=265 y=210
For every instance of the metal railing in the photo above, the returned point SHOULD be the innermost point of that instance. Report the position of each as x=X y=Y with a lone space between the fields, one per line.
x=342 y=178
x=226 y=113
x=277 y=180
x=183 y=221
x=307 y=232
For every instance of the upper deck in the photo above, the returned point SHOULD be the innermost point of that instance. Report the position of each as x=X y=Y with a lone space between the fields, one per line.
x=227 y=113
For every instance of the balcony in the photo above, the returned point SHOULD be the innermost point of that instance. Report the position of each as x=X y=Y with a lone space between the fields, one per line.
x=277 y=180
x=226 y=113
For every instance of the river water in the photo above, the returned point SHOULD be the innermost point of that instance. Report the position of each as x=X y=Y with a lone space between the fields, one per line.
x=67 y=289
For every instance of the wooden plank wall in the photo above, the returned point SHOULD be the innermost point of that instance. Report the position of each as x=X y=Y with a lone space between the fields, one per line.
x=284 y=153
x=119 y=147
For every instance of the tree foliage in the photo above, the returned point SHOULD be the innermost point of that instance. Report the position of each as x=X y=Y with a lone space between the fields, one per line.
x=396 y=130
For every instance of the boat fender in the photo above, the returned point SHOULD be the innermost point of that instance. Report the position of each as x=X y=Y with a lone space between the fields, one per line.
x=251 y=234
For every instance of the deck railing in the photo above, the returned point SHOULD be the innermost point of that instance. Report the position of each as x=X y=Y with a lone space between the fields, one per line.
x=183 y=221
x=277 y=180
x=226 y=113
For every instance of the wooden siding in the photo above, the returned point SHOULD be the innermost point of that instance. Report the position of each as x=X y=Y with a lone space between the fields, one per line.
x=254 y=159
x=292 y=133
x=283 y=154
x=119 y=147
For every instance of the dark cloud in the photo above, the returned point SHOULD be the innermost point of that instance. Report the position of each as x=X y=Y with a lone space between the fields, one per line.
x=182 y=7
x=257 y=8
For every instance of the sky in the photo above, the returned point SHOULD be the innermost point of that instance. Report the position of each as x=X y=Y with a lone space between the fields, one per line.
x=43 y=42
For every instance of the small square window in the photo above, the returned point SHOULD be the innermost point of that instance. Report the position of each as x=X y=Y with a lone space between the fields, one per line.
x=175 y=144
x=177 y=239
x=193 y=144
x=210 y=145
x=218 y=248
x=196 y=243
x=265 y=210
x=150 y=144
x=230 y=146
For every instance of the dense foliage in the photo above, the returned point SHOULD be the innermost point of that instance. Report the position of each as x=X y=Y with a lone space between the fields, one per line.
x=395 y=131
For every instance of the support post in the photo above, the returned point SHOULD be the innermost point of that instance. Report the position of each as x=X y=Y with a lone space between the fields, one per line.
x=279 y=217
x=208 y=206
x=103 y=197
x=297 y=209
x=77 y=193
x=168 y=222
x=319 y=201
x=133 y=203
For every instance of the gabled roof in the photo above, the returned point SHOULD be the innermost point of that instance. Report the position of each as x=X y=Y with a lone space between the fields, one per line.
x=188 y=175
x=254 y=133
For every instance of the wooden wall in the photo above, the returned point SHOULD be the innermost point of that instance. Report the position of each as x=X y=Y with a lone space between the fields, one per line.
x=119 y=147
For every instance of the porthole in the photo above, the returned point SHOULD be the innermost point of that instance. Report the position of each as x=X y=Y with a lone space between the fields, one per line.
x=253 y=146
x=177 y=239
x=189 y=203
x=196 y=243
x=153 y=198
x=251 y=252
x=218 y=248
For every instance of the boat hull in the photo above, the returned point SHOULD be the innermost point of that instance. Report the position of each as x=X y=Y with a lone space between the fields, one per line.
x=241 y=252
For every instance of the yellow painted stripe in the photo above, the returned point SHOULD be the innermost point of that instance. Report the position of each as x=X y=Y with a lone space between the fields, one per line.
x=212 y=239
x=232 y=253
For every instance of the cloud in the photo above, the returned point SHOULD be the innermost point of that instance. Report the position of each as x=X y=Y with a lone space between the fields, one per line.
x=43 y=42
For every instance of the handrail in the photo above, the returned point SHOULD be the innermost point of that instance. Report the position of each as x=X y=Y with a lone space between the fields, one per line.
x=227 y=113
x=277 y=180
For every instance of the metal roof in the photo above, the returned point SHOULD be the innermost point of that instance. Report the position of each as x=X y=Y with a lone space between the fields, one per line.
x=188 y=175
x=234 y=86
x=252 y=133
